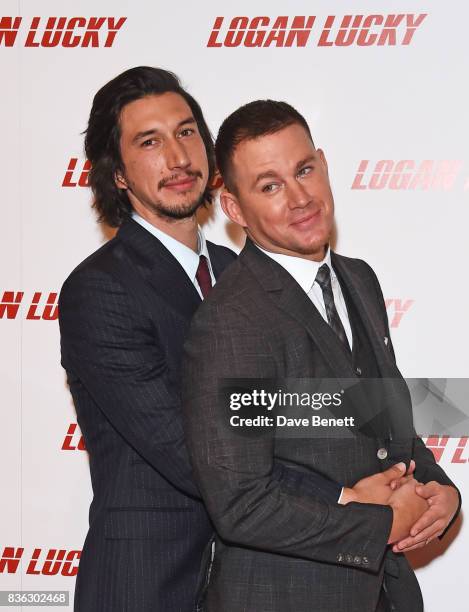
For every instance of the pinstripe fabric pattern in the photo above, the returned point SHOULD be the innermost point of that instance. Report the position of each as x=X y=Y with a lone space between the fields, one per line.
x=277 y=550
x=149 y=531
x=124 y=314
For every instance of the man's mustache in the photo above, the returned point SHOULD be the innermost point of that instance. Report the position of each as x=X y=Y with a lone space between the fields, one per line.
x=177 y=177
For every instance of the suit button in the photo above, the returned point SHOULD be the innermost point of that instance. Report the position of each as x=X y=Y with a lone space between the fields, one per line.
x=358 y=371
x=357 y=559
x=365 y=560
x=382 y=453
x=340 y=557
x=349 y=558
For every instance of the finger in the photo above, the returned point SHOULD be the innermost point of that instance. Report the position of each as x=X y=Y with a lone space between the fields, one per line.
x=423 y=536
x=411 y=468
x=395 y=472
x=400 y=547
x=395 y=484
x=428 y=490
x=396 y=549
x=428 y=518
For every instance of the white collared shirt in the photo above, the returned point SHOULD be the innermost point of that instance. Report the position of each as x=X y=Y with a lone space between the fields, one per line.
x=188 y=258
x=304 y=272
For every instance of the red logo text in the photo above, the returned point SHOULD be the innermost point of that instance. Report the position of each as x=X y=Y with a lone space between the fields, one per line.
x=77 y=174
x=67 y=32
x=73 y=439
x=396 y=309
x=284 y=31
x=45 y=562
x=42 y=306
x=407 y=174
x=440 y=447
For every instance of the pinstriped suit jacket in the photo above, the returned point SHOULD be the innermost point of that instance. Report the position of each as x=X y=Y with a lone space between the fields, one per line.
x=124 y=315
x=278 y=551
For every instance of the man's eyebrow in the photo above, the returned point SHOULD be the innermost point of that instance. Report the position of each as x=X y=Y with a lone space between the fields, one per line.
x=306 y=160
x=272 y=174
x=263 y=175
x=187 y=120
x=152 y=131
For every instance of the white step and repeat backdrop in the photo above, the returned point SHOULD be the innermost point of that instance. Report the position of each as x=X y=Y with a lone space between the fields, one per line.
x=384 y=88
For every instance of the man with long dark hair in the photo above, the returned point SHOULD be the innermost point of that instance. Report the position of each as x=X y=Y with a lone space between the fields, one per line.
x=124 y=313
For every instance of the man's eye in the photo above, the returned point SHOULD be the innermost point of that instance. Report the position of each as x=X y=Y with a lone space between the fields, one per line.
x=304 y=171
x=148 y=143
x=269 y=188
x=187 y=132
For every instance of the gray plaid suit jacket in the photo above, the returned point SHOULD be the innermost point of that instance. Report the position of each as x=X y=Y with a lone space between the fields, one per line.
x=124 y=315
x=282 y=550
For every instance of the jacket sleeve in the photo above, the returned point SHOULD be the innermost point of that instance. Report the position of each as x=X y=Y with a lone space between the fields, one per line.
x=116 y=356
x=248 y=506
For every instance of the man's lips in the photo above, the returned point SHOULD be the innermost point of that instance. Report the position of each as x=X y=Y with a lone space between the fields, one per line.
x=306 y=220
x=182 y=184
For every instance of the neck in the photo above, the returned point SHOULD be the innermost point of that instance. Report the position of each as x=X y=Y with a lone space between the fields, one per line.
x=183 y=230
x=317 y=255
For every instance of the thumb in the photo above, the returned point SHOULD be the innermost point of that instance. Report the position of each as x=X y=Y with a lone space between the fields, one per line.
x=394 y=472
x=427 y=490
x=411 y=468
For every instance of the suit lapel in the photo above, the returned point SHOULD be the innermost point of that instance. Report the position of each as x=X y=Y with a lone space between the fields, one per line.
x=160 y=268
x=215 y=260
x=364 y=299
x=287 y=295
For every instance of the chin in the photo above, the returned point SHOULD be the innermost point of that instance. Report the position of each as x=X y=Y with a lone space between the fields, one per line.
x=311 y=249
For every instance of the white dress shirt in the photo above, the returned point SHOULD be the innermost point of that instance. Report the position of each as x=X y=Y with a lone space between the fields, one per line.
x=188 y=258
x=304 y=272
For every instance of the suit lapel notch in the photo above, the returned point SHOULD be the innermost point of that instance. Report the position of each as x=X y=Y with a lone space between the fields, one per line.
x=161 y=269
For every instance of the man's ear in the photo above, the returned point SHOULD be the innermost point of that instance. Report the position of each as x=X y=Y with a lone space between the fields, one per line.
x=323 y=159
x=229 y=203
x=120 y=181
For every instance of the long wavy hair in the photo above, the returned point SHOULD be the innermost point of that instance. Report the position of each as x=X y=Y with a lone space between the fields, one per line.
x=102 y=136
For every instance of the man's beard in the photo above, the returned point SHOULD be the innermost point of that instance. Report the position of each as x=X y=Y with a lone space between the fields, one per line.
x=164 y=210
x=175 y=212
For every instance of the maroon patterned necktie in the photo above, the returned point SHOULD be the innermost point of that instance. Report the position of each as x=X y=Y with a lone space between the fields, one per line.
x=203 y=276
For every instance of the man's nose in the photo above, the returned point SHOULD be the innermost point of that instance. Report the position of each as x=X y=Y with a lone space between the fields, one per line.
x=176 y=154
x=298 y=197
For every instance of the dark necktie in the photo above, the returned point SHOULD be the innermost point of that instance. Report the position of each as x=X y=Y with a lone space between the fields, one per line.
x=203 y=276
x=323 y=278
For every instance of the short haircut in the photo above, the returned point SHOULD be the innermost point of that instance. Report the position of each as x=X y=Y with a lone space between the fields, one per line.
x=102 y=140
x=249 y=122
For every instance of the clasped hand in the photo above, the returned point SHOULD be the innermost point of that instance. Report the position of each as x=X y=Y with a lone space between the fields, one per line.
x=421 y=512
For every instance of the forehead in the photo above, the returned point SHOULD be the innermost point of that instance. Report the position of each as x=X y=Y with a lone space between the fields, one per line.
x=154 y=111
x=280 y=150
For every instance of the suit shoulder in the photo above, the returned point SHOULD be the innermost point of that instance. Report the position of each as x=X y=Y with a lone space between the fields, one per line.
x=227 y=311
x=222 y=253
x=233 y=294
x=358 y=265
x=96 y=268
